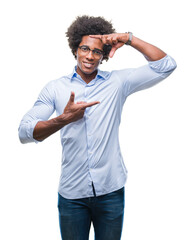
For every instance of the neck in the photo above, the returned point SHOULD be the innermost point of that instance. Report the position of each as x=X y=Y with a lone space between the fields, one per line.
x=86 y=77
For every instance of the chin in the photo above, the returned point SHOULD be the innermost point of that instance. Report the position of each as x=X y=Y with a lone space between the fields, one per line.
x=88 y=71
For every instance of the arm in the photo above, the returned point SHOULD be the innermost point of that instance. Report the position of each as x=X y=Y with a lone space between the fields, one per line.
x=72 y=112
x=160 y=65
x=150 y=52
x=35 y=126
x=117 y=40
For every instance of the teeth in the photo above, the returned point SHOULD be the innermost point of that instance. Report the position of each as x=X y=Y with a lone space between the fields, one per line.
x=88 y=64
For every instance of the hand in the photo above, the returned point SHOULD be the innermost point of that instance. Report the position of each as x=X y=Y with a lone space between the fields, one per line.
x=117 y=40
x=75 y=111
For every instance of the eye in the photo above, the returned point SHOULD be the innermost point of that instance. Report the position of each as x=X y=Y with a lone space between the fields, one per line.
x=84 y=49
x=98 y=52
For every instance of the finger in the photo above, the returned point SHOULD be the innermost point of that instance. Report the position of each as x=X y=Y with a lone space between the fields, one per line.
x=114 y=40
x=96 y=36
x=114 y=48
x=85 y=105
x=109 y=40
x=72 y=96
x=104 y=39
x=112 y=52
x=81 y=102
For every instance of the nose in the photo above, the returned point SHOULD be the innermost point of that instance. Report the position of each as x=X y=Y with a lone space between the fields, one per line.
x=90 y=55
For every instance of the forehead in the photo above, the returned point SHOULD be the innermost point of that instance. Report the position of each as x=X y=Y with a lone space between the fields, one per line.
x=92 y=42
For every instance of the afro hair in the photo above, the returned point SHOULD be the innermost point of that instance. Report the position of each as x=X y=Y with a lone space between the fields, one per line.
x=86 y=25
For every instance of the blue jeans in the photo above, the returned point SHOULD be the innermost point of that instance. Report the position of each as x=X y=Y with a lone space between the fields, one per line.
x=105 y=212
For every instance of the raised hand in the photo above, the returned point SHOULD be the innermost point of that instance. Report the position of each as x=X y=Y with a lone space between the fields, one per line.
x=75 y=111
x=117 y=40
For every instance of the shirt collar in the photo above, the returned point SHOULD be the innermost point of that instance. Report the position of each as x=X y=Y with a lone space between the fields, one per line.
x=100 y=74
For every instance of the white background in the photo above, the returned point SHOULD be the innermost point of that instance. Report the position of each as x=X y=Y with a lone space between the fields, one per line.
x=157 y=129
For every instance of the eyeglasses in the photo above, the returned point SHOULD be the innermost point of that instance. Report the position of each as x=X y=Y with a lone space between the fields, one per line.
x=97 y=53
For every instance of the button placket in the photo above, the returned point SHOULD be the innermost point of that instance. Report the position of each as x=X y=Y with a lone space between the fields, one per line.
x=88 y=130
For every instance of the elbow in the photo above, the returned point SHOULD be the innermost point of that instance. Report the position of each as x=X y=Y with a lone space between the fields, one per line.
x=173 y=65
x=165 y=65
x=171 y=68
x=22 y=137
x=24 y=134
x=22 y=141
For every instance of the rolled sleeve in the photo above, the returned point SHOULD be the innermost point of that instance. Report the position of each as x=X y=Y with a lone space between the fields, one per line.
x=41 y=111
x=164 y=65
x=148 y=75
x=26 y=129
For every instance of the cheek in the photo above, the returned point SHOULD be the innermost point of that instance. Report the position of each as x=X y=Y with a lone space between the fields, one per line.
x=78 y=58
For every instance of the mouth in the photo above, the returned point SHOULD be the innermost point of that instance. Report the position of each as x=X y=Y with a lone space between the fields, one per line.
x=88 y=65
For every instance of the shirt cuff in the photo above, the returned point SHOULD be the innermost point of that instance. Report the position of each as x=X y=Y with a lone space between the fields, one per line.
x=30 y=130
x=26 y=131
x=165 y=64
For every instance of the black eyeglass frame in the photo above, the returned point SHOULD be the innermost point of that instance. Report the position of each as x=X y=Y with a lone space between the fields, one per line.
x=96 y=52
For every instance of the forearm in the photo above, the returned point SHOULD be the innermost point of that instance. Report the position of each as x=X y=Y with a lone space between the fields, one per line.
x=150 y=52
x=44 y=129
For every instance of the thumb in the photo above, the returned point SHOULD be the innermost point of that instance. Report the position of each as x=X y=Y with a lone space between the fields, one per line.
x=115 y=47
x=112 y=52
x=72 y=96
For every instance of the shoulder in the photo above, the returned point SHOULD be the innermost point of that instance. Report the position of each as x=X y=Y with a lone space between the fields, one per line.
x=55 y=83
x=121 y=75
x=52 y=86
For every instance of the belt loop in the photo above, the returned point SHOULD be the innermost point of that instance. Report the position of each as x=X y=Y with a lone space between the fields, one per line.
x=93 y=190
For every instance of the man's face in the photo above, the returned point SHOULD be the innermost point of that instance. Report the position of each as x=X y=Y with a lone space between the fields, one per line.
x=87 y=61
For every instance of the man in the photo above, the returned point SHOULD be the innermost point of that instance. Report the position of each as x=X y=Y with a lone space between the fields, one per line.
x=88 y=104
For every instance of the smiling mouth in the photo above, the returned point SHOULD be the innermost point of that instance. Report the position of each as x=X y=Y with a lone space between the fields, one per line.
x=88 y=65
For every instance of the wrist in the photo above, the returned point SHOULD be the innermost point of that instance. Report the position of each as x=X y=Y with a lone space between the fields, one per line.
x=61 y=120
x=130 y=36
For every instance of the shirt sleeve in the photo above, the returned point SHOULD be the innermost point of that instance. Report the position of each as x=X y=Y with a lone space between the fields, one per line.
x=147 y=76
x=41 y=111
